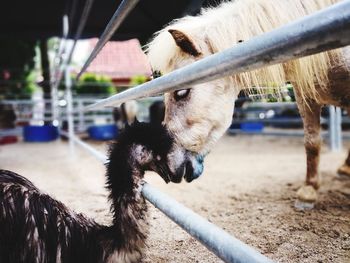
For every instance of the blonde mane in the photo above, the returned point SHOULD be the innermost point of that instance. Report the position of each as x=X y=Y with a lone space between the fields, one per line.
x=219 y=28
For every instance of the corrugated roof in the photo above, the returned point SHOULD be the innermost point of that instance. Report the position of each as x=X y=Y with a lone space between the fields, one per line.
x=120 y=59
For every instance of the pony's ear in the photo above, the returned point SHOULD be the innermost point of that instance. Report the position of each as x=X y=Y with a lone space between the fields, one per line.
x=184 y=42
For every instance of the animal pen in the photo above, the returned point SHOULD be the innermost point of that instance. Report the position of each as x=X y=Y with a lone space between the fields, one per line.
x=321 y=31
x=334 y=122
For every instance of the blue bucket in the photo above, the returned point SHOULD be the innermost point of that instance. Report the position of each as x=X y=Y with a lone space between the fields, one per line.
x=36 y=133
x=103 y=132
x=252 y=126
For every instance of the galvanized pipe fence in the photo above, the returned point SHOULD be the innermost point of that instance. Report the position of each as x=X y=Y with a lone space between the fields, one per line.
x=334 y=121
x=59 y=69
x=58 y=56
x=222 y=244
x=321 y=31
x=324 y=30
x=25 y=112
x=98 y=155
x=118 y=17
x=28 y=111
x=335 y=137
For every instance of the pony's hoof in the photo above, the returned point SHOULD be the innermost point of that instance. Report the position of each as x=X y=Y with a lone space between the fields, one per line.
x=306 y=198
x=344 y=171
x=301 y=205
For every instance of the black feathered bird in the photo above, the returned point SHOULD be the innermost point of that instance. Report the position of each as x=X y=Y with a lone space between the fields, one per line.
x=37 y=228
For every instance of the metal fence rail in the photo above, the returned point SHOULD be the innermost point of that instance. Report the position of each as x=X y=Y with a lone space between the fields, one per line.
x=98 y=155
x=214 y=238
x=26 y=111
x=251 y=114
x=321 y=31
x=82 y=22
x=81 y=25
x=123 y=10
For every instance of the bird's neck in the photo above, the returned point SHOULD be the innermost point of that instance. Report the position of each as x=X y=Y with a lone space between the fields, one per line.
x=129 y=229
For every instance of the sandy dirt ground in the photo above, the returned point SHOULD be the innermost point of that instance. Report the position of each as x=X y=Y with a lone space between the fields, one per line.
x=248 y=188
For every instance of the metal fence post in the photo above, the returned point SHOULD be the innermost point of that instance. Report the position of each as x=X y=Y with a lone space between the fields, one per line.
x=81 y=125
x=334 y=129
x=338 y=128
x=68 y=82
x=54 y=105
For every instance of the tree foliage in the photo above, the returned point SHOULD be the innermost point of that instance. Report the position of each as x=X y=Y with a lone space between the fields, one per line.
x=91 y=83
x=16 y=64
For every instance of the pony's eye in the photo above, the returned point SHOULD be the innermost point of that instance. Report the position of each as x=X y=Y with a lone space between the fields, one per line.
x=181 y=94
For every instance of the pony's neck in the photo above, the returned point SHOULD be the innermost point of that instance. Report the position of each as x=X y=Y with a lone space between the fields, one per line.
x=128 y=207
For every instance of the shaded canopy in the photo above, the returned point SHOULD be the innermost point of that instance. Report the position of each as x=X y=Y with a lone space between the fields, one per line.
x=40 y=19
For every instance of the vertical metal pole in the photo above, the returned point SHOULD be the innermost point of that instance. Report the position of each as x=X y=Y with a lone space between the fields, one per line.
x=331 y=128
x=335 y=136
x=81 y=115
x=54 y=104
x=338 y=129
x=68 y=82
x=54 y=71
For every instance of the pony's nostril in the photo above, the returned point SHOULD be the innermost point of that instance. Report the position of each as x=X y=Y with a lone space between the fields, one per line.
x=189 y=175
x=200 y=158
x=193 y=166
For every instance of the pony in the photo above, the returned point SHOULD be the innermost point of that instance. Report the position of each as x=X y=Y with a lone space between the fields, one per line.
x=37 y=228
x=197 y=116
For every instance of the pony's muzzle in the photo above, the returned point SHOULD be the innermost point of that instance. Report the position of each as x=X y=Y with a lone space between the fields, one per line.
x=193 y=168
x=189 y=168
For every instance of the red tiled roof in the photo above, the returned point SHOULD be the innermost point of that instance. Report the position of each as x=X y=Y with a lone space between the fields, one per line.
x=120 y=59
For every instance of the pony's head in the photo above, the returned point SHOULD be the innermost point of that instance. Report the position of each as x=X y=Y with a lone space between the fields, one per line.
x=196 y=116
x=145 y=146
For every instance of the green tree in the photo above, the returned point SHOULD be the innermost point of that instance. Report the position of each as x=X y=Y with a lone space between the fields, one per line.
x=91 y=83
x=137 y=80
x=16 y=64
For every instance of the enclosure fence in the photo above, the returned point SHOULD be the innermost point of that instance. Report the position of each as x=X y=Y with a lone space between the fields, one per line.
x=333 y=121
x=33 y=111
x=321 y=31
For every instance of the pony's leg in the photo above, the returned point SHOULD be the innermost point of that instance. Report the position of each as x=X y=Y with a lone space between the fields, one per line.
x=310 y=114
x=345 y=168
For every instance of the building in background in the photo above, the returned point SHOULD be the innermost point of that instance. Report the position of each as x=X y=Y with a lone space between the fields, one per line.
x=120 y=60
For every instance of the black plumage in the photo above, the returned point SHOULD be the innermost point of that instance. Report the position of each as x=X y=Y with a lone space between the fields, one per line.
x=37 y=228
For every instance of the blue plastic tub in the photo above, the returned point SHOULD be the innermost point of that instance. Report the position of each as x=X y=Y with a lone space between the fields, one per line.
x=35 y=133
x=252 y=126
x=103 y=132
